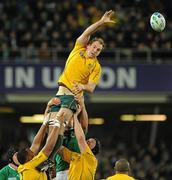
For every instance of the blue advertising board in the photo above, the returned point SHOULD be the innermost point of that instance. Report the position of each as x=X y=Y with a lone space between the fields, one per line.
x=117 y=78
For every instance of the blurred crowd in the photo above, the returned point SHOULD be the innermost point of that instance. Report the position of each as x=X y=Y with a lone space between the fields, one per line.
x=147 y=163
x=48 y=24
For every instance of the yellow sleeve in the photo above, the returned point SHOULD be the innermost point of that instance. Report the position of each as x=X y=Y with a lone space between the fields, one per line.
x=66 y=154
x=38 y=159
x=32 y=163
x=78 y=46
x=95 y=75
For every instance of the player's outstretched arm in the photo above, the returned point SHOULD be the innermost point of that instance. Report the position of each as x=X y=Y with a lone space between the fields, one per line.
x=106 y=18
x=38 y=139
x=79 y=133
x=51 y=139
x=82 y=116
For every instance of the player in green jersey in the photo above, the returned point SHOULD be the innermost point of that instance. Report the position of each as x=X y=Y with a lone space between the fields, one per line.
x=10 y=170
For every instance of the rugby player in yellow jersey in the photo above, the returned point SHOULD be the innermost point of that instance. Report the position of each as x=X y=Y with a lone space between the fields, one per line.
x=82 y=70
x=122 y=169
x=83 y=165
x=29 y=158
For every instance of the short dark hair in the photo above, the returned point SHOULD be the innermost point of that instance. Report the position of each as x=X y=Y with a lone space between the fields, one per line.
x=22 y=156
x=11 y=151
x=122 y=165
x=96 y=148
x=100 y=40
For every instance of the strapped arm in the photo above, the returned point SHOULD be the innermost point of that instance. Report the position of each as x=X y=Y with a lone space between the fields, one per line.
x=51 y=139
x=38 y=139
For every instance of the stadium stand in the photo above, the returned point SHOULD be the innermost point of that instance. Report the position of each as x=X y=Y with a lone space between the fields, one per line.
x=30 y=27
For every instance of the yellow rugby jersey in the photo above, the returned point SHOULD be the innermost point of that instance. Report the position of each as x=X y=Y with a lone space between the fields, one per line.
x=28 y=172
x=120 y=177
x=82 y=166
x=80 y=68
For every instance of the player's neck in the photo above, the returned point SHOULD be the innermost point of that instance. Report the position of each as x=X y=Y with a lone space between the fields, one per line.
x=13 y=166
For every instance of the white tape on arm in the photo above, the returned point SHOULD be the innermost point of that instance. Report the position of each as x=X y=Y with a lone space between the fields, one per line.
x=45 y=120
x=54 y=122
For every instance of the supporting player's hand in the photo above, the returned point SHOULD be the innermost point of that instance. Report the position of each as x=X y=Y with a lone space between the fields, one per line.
x=77 y=88
x=80 y=99
x=45 y=120
x=79 y=109
x=53 y=101
x=107 y=17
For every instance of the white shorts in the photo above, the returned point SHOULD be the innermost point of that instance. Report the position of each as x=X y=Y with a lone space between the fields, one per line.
x=62 y=175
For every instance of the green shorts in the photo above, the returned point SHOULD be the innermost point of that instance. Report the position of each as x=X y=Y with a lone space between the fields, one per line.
x=67 y=101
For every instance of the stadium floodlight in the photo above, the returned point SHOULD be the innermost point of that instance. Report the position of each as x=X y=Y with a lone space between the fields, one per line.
x=37 y=118
x=127 y=117
x=151 y=117
x=96 y=121
x=143 y=117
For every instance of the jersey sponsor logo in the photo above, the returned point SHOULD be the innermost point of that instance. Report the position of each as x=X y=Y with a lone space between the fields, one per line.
x=90 y=66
